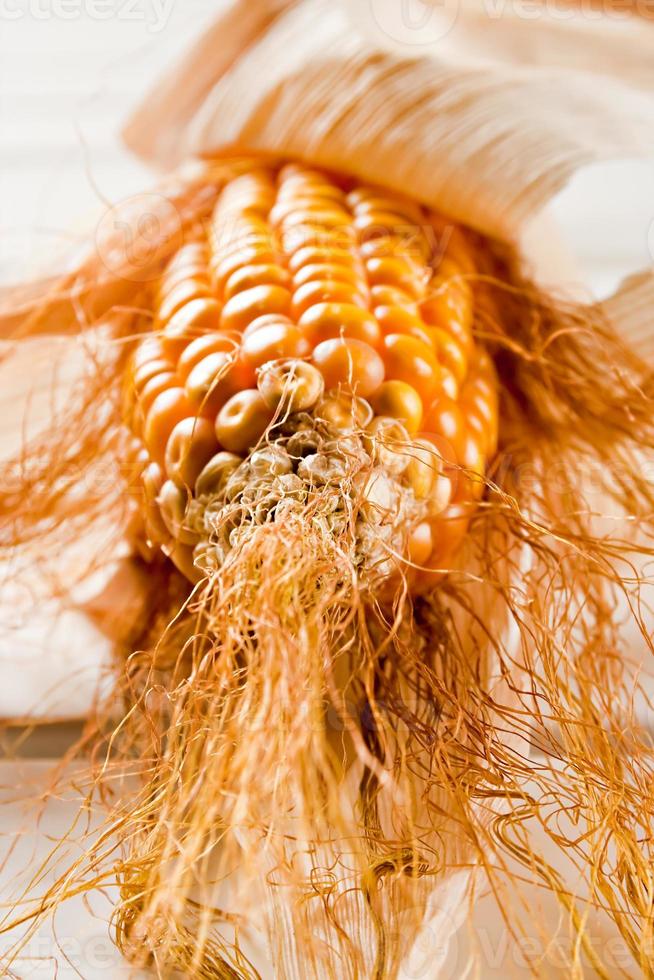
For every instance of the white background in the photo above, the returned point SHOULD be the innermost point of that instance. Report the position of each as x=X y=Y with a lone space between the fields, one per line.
x=68 y=77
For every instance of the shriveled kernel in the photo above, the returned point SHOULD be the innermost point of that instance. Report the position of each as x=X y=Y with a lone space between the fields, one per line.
x=387 y=441
x=348 y=445
x=243 y=420
x=290 y=484
x=378 y=496
x=345 y=411
x=270 y=461
x=290 y=385
x=306 y=442
x=191 y=445
x=350 y=363
x=215 y=474
x=318 y=468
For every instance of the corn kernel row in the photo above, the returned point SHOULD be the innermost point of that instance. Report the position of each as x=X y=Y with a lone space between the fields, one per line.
x=351 y=291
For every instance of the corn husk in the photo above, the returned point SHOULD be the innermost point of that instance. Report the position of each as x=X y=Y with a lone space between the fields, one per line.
x=482 y=110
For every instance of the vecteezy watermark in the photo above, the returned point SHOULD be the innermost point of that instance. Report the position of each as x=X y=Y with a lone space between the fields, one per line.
x=418 y=23
x=563 y=10
x=135 y=233
x=430 y=943
x=154 y=13
x=427 y=948
x=98 y=953
x=381 y=239
x=421 y=23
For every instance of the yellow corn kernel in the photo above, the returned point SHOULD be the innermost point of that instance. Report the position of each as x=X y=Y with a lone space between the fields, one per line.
x=315 y=294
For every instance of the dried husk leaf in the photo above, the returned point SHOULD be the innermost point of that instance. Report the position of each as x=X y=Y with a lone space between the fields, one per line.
x=412 y=106
x=482 y=112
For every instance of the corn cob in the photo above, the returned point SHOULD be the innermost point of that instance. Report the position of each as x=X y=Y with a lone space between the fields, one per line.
x=340 y=306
